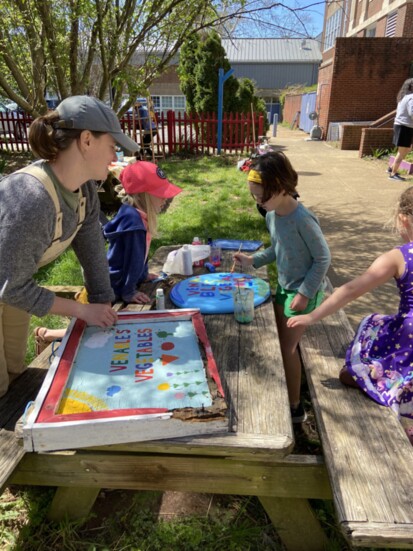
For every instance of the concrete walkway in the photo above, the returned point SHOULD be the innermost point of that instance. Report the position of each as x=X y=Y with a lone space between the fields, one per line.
x=353 y=199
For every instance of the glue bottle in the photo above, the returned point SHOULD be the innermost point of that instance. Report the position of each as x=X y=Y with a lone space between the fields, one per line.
x=197 y=263
x=160 y=299
x=187 y=260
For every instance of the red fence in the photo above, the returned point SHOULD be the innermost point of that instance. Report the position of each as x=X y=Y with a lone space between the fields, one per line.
x=175 y=133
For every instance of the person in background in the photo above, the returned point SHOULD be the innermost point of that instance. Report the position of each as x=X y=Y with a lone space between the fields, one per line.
x=147 y=125
x=379 y=360
x=144 y=192
x=403 y=127
x=301 y=253
x=48 y=206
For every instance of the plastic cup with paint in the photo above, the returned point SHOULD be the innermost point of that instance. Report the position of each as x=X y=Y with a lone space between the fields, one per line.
x=215 y=256
x=243 y=304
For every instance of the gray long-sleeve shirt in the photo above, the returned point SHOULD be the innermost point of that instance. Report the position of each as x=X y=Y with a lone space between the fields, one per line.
x=299 y=249
x=27 y=224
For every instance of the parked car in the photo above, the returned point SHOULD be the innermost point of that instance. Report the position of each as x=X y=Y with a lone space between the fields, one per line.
x=52 y=103
x=12 y=112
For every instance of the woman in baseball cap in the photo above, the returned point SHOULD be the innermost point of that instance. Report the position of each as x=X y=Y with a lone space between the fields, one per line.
x=145 y=192
x=44 y=208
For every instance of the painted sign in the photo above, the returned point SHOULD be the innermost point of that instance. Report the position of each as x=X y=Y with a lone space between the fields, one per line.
x=213 y=293
x=148 y=365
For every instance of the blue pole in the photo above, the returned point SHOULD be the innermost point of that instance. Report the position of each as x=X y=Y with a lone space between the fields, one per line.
x=221 y=79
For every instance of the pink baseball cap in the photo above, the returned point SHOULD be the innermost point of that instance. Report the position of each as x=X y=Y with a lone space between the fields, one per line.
x=142 y=176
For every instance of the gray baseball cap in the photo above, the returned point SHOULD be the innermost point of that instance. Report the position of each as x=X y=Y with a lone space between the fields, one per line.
x=89 y=113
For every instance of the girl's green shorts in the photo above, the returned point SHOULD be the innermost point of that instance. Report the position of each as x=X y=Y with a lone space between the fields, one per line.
x=284 y=297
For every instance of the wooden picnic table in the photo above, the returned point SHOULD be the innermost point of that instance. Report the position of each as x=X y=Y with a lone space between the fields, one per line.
x=251 y=459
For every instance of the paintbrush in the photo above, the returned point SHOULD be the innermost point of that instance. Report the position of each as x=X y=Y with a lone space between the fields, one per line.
x=233 y=266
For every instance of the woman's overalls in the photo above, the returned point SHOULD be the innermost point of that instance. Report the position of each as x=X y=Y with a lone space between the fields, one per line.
x=14 y=323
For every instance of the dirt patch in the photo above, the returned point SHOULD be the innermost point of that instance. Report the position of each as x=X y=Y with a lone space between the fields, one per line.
x=10 y=162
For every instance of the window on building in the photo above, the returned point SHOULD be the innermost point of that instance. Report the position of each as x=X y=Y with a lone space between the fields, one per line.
x=156 y=100
x=179 y=102
x=164 y=104
x=333 y=29
x=391 y=24
x=371 y=32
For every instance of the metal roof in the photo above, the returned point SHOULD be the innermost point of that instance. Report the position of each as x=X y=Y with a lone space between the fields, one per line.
x=272 y=50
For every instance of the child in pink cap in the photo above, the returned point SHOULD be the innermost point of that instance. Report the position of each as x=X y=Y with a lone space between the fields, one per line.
x=144 y=192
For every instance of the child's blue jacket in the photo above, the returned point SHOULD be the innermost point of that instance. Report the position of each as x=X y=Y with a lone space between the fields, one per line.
x=126 y=235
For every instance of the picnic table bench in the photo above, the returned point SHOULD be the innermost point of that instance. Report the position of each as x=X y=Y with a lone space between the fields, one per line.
x=367 y=462
x=367 y=453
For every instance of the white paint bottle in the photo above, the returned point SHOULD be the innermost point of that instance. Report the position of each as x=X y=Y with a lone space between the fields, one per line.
x=160 y=299
x=187 y=260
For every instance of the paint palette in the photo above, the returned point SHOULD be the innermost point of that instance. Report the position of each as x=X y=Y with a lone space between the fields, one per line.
x=213 y=293
x=236 y=244
x=134 y=381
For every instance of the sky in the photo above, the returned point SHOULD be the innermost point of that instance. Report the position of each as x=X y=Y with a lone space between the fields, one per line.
x=290 y=18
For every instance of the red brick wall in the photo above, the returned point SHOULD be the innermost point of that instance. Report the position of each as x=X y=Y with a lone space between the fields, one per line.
x=381 y=26
x=325 y=74
x=405 y=21
x=291 y=106
x=374 y=6
x=364 y=78
x=351 y=135
x=375 y=138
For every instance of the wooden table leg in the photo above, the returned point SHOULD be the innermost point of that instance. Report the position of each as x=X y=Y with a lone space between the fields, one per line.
x=296 y=523
x=72 y=503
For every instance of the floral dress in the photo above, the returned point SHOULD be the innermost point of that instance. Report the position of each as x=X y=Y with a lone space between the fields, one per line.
x=380 y=358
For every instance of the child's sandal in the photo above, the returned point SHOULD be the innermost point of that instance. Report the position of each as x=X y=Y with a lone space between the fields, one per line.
x=346 y=378
x=41 y=341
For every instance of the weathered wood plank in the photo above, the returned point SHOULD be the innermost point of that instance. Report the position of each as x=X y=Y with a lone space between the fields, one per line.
x=384 y=535
x=12 y=406
x=296 y=524
x=293 y=479
x=246 y=446
x=72 y=503
x=64 y=290
x=251 y=370
x=10 y=455
x=367 y=453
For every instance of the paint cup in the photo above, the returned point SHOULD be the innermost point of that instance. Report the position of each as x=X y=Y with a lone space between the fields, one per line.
x=243 y=304
x=215 y=255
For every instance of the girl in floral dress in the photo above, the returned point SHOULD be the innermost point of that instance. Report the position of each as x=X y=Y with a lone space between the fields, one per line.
x=380 y=358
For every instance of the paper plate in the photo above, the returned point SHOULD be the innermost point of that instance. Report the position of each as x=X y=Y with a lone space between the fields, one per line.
x=212 y=293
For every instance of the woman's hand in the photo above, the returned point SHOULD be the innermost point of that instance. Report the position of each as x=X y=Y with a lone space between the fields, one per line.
x=102 y=315
x=151 y=276
x=140 y=298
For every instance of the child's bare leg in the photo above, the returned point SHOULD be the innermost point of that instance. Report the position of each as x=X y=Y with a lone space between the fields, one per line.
x=289 y=339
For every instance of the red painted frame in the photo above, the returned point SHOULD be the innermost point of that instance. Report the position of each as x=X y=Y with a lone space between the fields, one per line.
x=52 y=400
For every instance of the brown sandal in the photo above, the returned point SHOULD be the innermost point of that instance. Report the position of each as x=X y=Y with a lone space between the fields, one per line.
x=41 y=341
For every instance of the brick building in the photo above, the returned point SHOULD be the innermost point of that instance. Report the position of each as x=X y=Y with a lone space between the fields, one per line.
x=367 y=53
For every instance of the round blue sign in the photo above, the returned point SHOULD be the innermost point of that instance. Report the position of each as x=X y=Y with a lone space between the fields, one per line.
x=212 y=293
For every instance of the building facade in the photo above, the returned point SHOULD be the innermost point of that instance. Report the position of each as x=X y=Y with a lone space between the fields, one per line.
x=367 y=53
x=274 y=63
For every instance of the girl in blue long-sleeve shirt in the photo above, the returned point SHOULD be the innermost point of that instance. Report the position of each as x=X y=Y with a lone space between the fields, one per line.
x=144 y=191
x=301 y=253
